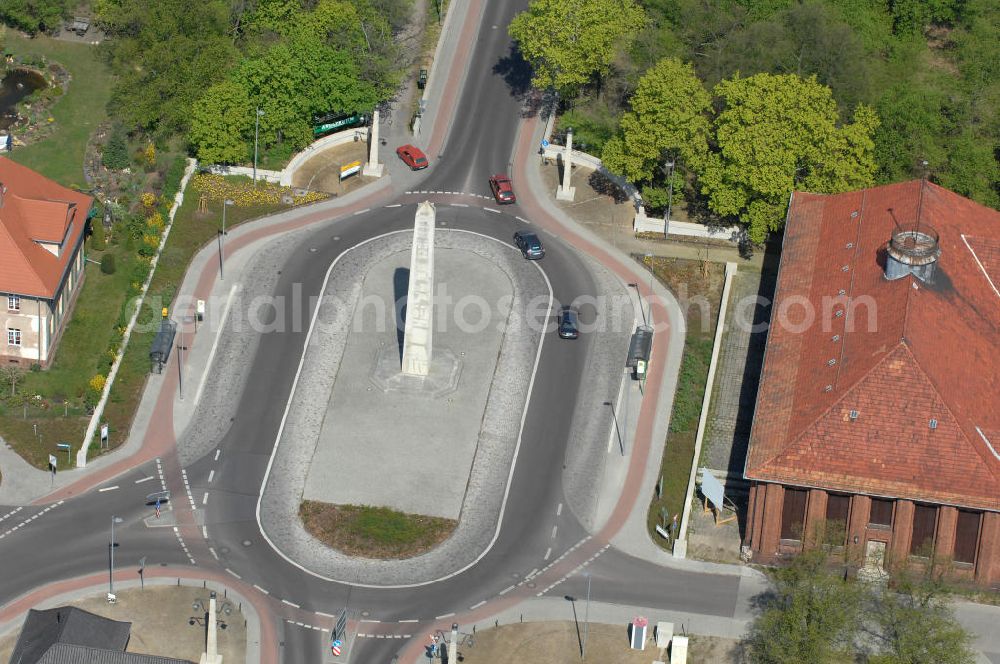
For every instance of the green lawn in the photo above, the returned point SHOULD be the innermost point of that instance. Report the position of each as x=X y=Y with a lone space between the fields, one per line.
x=678 y=275
x=77 y=113
x=374 y=532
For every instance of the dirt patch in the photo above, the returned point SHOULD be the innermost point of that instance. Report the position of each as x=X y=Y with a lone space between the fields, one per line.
x=374 y=532
x=559 y=643
x=322 y=171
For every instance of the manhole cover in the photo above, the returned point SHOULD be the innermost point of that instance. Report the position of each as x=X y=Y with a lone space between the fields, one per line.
x=313 y=250
x=515 y=575
x=247 y=542
x=366 y=613
x=336 y=238
x=530 y=585
x=224 y=550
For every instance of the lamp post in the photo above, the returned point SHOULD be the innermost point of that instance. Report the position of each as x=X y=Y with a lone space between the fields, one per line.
x=222 y=252
x=649 y=258
x=111 y=559
x=256 y=132
x=670 y=196
x=586 y=621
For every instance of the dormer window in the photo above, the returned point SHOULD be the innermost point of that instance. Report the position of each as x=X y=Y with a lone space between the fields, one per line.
x=13 y=303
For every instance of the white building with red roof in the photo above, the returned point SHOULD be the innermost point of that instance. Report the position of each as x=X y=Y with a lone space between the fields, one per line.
x=879 y=401
x=42 y=228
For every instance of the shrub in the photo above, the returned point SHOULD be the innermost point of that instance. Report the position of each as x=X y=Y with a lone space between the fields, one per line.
x=97 y=240
x=115 y=157
x=97 y=383
x=108 y=264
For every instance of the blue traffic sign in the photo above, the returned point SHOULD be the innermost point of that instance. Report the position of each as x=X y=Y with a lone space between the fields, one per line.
x=545 y=143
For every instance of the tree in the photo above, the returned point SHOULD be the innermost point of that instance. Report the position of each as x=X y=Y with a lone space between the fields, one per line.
x=115 y=156
x=568 y=41
x=776 y=134
x=669 y=113
x=11 y=374
x=220 y=122
x=810 y=616
x=915 y=622
x=32 y=16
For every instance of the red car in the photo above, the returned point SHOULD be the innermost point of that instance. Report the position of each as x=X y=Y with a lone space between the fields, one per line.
x=503 y=190
x=412 y=156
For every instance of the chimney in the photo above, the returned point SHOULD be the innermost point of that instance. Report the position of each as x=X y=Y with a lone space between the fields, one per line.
x=912 y=250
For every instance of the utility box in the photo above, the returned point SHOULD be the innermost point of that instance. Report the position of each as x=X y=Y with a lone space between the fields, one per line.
x=679 y=650
x=637 y=635
x=200 y=310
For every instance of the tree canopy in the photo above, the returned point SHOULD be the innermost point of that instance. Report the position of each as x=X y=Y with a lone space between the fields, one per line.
x=33 y=16
x=205 y=67
x=778 y=133
x=812 y=613
x=669 y=113
x=568 y=41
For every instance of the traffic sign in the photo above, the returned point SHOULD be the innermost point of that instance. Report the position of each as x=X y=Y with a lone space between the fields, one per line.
x=335 y=648
x=63 y=446
x=545 y=143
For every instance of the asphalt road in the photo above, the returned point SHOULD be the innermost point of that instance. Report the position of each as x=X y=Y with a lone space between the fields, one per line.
x=74 y=539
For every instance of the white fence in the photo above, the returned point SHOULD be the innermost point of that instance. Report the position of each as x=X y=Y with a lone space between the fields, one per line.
x=284 y=176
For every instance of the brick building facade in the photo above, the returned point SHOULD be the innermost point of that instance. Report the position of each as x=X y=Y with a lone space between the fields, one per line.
x=877 y=423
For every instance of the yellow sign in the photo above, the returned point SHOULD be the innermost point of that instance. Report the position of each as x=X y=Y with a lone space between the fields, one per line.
x=350 y=169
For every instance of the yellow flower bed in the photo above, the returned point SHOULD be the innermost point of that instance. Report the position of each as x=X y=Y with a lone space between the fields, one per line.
x=244 y=194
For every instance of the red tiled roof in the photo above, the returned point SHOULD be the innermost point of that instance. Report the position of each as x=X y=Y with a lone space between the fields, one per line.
x=898 y=355
x=34 y=209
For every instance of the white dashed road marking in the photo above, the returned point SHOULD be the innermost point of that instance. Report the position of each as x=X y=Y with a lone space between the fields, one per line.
x=107 y=488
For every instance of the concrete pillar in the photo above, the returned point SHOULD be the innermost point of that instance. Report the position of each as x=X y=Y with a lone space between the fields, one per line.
x=902 y=533
x=417 y=333
x=566 y=192
x=988 y=560
x=815 y=522
x=774 y=498
x=373 y=168
x=944 y=544
x=211 y=654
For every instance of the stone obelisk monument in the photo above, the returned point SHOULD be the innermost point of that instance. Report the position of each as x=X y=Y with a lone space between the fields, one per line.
x=211 y=654
x=419 y=311
x=565 y=192
x=372 y=167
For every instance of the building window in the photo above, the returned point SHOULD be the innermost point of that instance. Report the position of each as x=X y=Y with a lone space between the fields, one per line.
x=13 y=336
x=14 y=302
x=967 y=536
x=924 y=522
x=837 y=509
x=793 y=514
x=881 y=513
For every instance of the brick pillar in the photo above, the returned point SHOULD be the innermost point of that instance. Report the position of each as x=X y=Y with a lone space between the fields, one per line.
x=988 y=560
x=774 y=498
x=756 y=516
x=902 y=533
x=944 y=544
x=857 y=523
x=815 y=516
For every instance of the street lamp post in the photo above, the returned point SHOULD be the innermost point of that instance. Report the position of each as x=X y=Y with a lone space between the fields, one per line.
x=586 y=620
x=670 y=196
x=222 y=252
x=649 y=258
x=256 y=132
x=111 y=559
